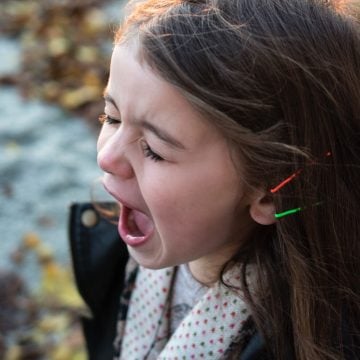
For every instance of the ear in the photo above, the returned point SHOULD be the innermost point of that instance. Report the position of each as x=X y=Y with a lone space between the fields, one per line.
x=262 y=209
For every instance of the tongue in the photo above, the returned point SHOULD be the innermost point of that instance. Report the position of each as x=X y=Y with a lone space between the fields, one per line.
x=143 y=224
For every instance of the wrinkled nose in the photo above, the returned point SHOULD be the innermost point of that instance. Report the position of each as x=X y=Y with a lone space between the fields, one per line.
x=113 y=158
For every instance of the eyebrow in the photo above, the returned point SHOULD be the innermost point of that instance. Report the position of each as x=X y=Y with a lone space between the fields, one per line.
x=109 y=99
x=161 y=134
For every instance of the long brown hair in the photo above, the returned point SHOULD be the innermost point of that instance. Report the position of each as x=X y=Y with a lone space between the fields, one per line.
x=281 y=80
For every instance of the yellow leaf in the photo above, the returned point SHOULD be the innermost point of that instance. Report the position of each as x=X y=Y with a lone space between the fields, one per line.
x=54 y=323
x=87 y=54
x=31 y=240
x=58 y=46
x=75 y=98
x=58 y=287
x=13 y=353
x=62 y=353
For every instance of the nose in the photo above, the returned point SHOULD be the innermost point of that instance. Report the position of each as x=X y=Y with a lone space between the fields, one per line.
x=113 y=157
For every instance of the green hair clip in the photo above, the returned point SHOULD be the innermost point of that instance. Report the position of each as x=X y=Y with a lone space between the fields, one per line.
x=287 y=212
x=294 y=211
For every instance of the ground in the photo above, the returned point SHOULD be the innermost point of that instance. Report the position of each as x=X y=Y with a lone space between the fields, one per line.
x=54 y=63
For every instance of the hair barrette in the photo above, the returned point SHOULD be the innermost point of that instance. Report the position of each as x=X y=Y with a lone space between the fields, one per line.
x=291 y=177
x=294 y=211
x=286 y=181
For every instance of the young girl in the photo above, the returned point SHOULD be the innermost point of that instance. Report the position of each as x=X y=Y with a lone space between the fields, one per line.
x=231 y=141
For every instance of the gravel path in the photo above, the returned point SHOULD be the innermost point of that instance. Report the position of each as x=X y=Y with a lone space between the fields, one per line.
x=47 y=161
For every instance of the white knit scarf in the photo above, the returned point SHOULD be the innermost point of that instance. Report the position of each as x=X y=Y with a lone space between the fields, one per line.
x=207 y=332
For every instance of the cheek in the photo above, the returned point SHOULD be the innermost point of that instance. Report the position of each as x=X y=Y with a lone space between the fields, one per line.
x=191 y=204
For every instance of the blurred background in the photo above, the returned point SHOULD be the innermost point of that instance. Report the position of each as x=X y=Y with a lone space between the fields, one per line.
x=54 y=59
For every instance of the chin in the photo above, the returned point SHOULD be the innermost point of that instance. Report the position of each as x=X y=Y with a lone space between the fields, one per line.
x=148 y=262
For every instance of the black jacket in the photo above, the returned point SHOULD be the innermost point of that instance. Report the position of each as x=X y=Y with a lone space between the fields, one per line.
x=99 y=258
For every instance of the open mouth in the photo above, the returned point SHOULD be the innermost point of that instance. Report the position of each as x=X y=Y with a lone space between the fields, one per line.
x=135 y=227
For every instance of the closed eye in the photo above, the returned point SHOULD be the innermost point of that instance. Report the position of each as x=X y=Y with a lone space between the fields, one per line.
x=148 y=152
x=103 y=118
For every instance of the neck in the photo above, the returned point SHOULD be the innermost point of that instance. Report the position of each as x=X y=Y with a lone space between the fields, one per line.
x=207 y=270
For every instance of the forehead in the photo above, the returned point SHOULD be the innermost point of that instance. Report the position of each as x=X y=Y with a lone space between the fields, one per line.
x=141 y=94
x=133 y=82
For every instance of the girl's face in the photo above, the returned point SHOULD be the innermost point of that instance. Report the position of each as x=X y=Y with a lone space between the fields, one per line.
x=181 y=197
